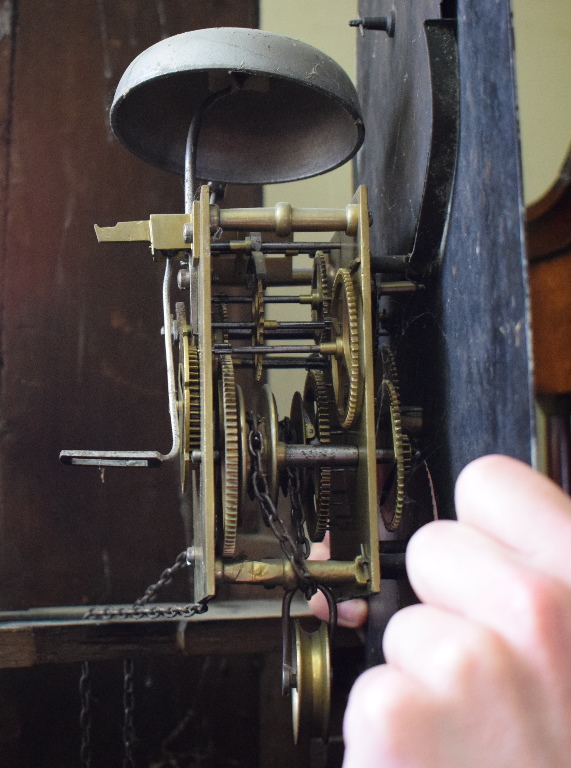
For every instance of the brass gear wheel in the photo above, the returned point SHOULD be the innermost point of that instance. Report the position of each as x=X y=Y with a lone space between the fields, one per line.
x=390 y=370
x=390 y=406
x=188 y=398
x=320 y=294
x=243 y=431
x=316 y=484
x=193 y=389
x=259 y=319
x=347 y=382
x=229 y=464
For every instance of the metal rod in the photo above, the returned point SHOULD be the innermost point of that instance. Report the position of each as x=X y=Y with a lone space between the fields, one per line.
x=283 y=219
x=321 y=455
x=274 y=333
x=192 y=146
x=293 y=248
x=399 y=286
x=270 y=363
x=286 y=349
x=330 y=456
x=290 y=326
x=221 y=298
x=279 y=572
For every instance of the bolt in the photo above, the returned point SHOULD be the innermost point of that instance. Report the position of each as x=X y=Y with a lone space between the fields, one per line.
x=377 y=23
x=183 y=279
x=187 y=233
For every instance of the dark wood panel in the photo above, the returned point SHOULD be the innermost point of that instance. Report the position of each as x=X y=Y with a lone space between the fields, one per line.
x=462 y=345
x=82 y=352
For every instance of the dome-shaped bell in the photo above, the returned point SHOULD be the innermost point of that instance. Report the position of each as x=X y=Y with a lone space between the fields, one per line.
x=290 y=111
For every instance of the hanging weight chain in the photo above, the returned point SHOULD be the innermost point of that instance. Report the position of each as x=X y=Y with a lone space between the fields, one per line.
x=259 y=485
x=294 y=492
x=85 y=715
x=140 y=609
x=128 y=713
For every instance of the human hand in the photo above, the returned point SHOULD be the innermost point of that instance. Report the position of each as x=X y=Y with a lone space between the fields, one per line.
x=351 y=613
x=479 y=674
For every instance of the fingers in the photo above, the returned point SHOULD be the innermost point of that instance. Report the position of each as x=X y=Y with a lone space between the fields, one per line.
x=445 y=652
x=464 y=571
x=352 y=613
x=321 y=550
x=383 y=704
x=520 y=508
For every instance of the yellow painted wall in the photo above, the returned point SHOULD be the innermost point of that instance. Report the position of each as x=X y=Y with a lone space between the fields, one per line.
x=543 y=57
x=322 y=23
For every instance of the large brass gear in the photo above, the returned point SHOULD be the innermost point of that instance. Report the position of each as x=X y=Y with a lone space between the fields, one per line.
x=229 y=463
x=316 y=484
x=320 y=294
x=390 y=407
x=259 y=319
x=347 y=382
x=243 y=431
x=188 y=398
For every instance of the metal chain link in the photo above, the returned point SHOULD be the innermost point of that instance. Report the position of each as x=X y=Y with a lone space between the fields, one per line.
x=297 y=516
x=140 y=610
x=259 y=485
x=294 y=491
x=128 y=713
x=85 y=721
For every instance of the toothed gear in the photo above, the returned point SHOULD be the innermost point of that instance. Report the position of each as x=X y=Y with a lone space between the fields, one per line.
x=188 y=399
x=258 y=318
x=317 y=482
x=345 y=368
x=192 y=386
x=402 y=450
x=390 y=371
x=321 y=297
x=230 y=455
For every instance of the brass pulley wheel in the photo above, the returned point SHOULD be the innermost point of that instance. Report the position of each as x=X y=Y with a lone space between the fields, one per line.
x=269 y=429
x=229 y=462
x=390 y=416
x=347 y=382
x=316 y=483
x=320 y=293
x=188 y=398
x=259 y=319
x=311 y=683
